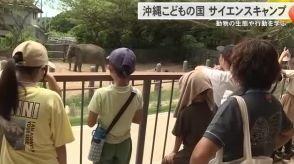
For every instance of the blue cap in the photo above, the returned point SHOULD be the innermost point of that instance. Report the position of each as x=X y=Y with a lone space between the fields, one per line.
x=123 y=59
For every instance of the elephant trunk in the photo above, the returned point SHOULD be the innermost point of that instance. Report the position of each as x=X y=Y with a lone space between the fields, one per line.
x=69 y=57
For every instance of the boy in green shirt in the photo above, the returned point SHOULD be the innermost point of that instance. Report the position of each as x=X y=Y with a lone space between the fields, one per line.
x=106 y=103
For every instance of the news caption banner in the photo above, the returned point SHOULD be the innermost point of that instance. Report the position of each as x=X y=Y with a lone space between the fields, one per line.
x=223 y=13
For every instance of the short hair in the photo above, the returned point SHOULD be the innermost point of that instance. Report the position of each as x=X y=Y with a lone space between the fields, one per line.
x=255 y=64
x=226 y=53
x=123 y=73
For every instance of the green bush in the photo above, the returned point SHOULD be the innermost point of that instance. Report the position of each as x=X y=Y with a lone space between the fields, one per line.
x=11 y=39
x=74 y=102
x=4 y=43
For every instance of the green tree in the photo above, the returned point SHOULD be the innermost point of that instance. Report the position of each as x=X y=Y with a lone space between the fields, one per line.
x=105 y=22
x=62 y=22
x=113 y=23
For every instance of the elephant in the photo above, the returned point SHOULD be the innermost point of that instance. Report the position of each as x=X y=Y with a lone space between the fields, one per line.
x=86 y=53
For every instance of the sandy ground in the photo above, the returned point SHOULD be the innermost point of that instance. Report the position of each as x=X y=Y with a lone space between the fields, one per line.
x=73 y=149
x=74 y=88
x=63 y=67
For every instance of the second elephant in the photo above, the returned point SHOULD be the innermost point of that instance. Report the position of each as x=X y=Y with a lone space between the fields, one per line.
x=86 y=53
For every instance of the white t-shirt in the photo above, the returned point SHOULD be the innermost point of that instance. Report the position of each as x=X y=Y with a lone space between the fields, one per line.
x=221 y=81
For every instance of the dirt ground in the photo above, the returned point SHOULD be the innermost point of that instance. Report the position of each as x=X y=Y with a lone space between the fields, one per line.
x=74 y=88
x=170 y=67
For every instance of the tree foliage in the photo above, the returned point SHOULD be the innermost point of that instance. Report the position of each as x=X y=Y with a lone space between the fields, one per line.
x=62 y=22
x=114 y=23
x=18 y=32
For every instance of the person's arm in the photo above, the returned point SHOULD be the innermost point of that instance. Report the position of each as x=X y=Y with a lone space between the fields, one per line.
x=204 y=151
x=284 y=54
x=222 y=129
x=61 y=154
x=137 y=119
x=283 y=138
x=216 y=75
x=286 y=131
x=94 y=108
x=52 y=84
x=288 y=73
x=170 y=157
x=92 y=119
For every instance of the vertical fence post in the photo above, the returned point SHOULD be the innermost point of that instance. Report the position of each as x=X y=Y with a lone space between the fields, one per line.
x=82 y=122
x=65 y=47
x=156 y=121
x=208 y=63
x=157 y=85
x=142 y=128
x=91 y=83
x=185 y=66
x=168 y=116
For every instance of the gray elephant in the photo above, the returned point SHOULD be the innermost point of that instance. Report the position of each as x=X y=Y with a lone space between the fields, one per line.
x=86 y=53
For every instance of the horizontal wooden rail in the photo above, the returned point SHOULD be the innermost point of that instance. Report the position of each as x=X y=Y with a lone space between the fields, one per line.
x=104 y=76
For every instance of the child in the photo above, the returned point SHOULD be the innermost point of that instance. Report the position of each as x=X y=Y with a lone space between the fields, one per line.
x=287 y=99
x=107 y=101
x=38 y=126
x=194 y=116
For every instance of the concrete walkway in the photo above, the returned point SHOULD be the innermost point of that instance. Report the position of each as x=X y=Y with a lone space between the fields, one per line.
x=73 y=149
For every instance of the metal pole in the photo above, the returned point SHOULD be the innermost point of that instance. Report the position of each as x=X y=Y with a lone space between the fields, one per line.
x=64 y=93
x=82 y=122
x=41 y=8
x=185 y=66
x=168 y=117
x=142 y=128
x=91 y=83
x=156 y=120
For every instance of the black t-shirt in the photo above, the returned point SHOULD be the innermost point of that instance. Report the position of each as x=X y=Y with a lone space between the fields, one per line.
x=192 y=123
x=266 y=119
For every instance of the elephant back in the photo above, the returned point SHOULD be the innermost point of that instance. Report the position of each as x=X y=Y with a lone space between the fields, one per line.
x=91 y=53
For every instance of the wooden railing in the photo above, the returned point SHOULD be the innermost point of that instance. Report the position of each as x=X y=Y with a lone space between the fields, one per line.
x=147 y=79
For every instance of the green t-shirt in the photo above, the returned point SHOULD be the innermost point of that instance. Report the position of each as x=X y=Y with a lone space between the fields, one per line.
x=107 y=102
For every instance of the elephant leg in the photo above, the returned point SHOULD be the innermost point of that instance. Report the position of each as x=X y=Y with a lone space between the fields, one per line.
x=75 y=66
x=80 y=68
x=96 y=67
x=103 y=67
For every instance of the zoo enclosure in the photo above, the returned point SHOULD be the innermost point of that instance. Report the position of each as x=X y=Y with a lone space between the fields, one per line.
x=174 y=55
x=146 y=78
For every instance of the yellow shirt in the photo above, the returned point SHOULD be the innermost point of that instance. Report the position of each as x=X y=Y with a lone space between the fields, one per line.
x=45 y=124
x=107 y=102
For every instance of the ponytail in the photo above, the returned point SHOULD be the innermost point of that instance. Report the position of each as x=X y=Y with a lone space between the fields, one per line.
x=8 y=90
